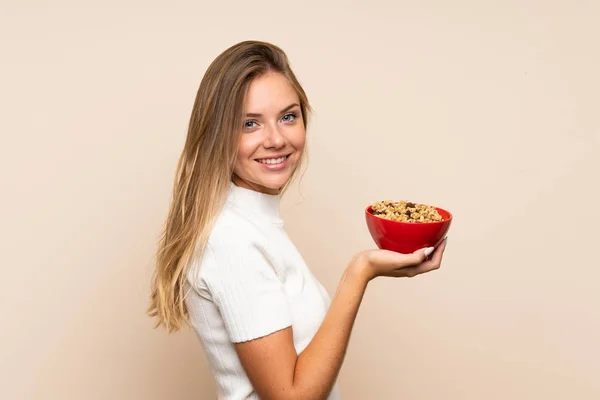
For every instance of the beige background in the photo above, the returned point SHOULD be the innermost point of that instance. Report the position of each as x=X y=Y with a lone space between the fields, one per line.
x=488 y=109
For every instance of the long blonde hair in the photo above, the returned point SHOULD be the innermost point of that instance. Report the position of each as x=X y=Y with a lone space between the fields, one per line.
x=205 y=168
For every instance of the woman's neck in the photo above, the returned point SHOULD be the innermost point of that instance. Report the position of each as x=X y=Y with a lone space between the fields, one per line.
x=254 y=186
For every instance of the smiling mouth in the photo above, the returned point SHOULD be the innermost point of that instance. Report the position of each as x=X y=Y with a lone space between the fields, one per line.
x=273 y=161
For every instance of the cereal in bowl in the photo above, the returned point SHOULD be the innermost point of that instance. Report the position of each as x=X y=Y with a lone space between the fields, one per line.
x=405 y=211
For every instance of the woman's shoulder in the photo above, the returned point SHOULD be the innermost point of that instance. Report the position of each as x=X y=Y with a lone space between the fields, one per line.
x=231 y=238
x=233 y=229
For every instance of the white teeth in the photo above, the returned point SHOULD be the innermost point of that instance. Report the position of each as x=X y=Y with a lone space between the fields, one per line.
x=272 y=160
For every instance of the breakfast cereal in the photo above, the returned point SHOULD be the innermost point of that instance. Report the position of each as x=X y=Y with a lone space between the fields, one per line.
x=405 y=211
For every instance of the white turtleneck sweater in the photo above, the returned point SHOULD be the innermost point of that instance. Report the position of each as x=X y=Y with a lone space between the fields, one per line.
x=250 y=282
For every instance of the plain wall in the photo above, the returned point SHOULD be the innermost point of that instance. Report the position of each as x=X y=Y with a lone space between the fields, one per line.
x=488 y=109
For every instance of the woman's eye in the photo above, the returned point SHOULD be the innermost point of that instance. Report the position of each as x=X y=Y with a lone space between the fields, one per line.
x=249 y=124
x=289 y=117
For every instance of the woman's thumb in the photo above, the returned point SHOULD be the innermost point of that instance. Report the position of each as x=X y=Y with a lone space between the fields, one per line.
x=412 y=259
x=422 y=254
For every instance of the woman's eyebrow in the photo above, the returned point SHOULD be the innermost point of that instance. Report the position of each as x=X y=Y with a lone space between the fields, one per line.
x=255 y=115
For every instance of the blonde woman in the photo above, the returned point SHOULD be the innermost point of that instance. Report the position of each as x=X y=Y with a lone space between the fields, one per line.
x=225 y=264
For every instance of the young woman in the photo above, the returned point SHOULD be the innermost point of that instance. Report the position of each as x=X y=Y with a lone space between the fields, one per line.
x=225 y=264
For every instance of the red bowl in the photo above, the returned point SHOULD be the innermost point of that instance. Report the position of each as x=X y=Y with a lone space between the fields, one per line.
x=407 y=237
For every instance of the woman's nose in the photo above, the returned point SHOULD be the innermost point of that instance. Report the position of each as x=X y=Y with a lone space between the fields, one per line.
x=274 y=138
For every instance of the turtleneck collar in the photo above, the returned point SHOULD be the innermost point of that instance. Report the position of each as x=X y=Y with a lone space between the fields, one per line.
x=255 y=204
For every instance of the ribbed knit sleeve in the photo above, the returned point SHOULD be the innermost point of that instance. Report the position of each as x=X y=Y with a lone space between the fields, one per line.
x=245 y=288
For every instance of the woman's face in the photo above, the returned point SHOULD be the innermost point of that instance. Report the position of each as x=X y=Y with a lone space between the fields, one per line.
x=273 y=135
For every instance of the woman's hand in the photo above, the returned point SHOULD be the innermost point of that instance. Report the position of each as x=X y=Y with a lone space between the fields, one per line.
x=373 y=263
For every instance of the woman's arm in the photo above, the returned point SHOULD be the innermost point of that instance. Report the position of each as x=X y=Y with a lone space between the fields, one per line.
x=277 y=372
x=271 y=362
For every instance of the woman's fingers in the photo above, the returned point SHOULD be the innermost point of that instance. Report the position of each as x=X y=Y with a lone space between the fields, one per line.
x=436 y=257
x=425 y=266
x=417 y=270
x=390 y=263
x=391 y=260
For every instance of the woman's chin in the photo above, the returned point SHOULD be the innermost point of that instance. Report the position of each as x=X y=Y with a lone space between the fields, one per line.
x=267 y=184
x=274 y=184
